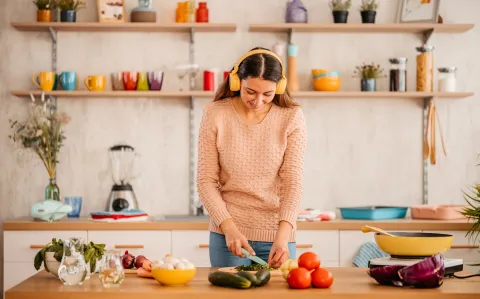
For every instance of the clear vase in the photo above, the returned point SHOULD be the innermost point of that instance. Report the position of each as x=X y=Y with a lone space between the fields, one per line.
x=52 y=192
x=111 y=272
x=73 y=269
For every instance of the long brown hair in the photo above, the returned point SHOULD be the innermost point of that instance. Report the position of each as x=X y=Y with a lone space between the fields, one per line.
x=262 y=66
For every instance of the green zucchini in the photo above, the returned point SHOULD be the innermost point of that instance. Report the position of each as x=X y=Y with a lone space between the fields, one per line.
x=224 y=279
x=250 y=276
x=263 y=277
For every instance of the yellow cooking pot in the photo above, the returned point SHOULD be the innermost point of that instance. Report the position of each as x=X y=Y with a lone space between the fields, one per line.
x=409 y=244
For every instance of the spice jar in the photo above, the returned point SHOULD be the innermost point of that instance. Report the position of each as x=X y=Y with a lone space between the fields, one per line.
x=202 y=12
x=189 y=11
x=447 y=81
x=398 y=74
x=425 y=68
x=180 y=13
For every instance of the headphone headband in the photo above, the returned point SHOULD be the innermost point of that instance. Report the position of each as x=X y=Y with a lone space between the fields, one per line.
x=253 y=52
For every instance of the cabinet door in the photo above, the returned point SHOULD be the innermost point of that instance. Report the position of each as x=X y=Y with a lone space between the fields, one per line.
x=192 y=245
x=16 y=272
x=323 y=243
x=350 y=243
x=152 y=244
x=22 y=246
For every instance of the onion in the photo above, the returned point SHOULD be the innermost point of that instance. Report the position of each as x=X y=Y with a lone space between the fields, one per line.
x=139 y=261
x=427 y=273
x=127 y=260
x=387 y=275
x=156 y=264
x=180 y=265
x=170 y=259
x=167 y=266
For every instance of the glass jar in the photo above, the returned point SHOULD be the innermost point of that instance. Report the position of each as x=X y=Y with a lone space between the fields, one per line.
x=398 y=74
x=180 y=13
x=111 y=272
x=425 y=68
x=72 y=269
x=447 y=80
x=202 y=13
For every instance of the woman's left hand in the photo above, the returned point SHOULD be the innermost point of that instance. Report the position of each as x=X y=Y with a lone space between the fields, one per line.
x=278 y=254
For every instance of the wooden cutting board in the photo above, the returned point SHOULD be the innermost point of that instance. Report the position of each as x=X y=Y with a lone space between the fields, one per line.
x=130 y=271
x=233 y=270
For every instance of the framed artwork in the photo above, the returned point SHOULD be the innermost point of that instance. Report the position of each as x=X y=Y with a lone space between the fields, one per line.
x=111 y=10
x=417 y=11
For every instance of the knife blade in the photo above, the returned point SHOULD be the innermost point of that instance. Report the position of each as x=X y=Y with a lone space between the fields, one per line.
x=256 y=259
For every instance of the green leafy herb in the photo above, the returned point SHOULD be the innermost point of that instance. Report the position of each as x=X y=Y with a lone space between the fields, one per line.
x=254 y=267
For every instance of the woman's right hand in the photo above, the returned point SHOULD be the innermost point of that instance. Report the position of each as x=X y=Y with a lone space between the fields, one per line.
x=235 y=239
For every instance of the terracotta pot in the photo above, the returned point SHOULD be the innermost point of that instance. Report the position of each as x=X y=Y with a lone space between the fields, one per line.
x=44 y=15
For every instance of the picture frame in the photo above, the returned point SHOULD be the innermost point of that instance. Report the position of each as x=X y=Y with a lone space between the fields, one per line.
x=111 y=11
x=417 y=11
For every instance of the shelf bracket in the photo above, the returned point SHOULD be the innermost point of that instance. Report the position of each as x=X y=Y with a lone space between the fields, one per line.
x=192 y=57
x=192 y=133
x=289 y=36
x=426 y=103
x=427 y=34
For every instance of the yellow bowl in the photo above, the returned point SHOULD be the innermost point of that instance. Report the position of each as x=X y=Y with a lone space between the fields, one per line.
x=174 y=277
x=327 y=83
x=414 y=244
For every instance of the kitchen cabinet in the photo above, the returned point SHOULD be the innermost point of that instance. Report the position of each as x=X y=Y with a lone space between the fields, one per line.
x=192 y=245
x=14 y=273
x=324 y=243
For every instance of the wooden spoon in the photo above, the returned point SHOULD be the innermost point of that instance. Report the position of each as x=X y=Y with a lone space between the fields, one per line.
x=369 y=229
x=426 y=146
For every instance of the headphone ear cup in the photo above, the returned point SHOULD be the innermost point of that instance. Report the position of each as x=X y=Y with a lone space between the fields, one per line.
x=281 y=86
x=234 y=82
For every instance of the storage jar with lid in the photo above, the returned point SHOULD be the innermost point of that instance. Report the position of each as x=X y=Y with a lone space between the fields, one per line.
x=398 y=74
x=447 y=81
x=202 y=12
x=425 y=68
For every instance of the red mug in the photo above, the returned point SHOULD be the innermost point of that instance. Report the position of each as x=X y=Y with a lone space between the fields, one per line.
x=130 y=80
x=208 y=80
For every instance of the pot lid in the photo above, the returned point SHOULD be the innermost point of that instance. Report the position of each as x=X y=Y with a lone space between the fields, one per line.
x=451 y=69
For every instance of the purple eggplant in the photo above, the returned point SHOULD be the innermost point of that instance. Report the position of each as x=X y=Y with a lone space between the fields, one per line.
x=387 y=275
x=427 y=273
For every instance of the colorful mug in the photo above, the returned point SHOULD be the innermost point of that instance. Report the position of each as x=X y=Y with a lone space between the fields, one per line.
x=155 y=80
x=68 y=80
x=95 y=83
x=142 y=83
x=130 y=80
x=117 y=81
x=44 y=80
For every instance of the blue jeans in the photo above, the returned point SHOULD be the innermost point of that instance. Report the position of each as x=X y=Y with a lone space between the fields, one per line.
x=220 y=256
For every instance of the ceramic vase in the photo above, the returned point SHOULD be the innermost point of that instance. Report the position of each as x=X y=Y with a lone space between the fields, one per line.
x=368 y=16
x=369 y=84
x=69 y=16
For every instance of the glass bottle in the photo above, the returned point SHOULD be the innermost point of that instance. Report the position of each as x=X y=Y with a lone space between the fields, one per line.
x=425 y=68
x=72 y=269
x=52 y=192
x=202 y=12
x=111 y=272
x=447 y=81
x=180 y=13
x=398 y=74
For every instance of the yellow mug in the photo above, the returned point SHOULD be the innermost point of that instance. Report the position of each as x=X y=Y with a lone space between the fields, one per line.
x=44 y=80
x=95 y=83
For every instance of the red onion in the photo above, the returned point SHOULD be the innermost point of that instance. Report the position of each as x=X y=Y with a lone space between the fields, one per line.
x=139 y=261
x=387 y=275
x=127 y=260
x=427 y=273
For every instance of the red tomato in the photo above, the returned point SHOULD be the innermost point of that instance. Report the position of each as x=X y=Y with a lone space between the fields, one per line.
x=322 y=278
x=299 y=278
x=309 y=261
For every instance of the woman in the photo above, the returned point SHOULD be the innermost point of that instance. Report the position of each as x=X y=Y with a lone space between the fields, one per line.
x=250 y=163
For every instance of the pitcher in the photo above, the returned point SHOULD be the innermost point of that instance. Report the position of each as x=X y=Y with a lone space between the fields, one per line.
x=73 y=269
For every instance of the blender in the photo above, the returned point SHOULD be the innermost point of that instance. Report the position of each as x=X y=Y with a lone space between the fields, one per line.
x=122 y=197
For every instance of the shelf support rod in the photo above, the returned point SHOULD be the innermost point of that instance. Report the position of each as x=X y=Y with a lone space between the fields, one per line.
x=426 y=103
x=53 y=34
x=289 y=37
x=427 y=34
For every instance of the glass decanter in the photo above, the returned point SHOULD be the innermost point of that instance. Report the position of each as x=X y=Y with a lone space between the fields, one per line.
x=111 y=272
x=73 y=269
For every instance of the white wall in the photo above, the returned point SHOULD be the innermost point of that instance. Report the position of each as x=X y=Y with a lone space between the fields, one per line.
x=360 y=151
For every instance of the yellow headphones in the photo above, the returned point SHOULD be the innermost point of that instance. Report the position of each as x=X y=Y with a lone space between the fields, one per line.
x=235 y=80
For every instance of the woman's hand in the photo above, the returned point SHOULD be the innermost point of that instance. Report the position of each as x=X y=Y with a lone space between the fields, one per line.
x=234 y=239
x=278 y=254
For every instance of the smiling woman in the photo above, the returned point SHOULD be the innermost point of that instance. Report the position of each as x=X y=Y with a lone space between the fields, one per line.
x=250 y=163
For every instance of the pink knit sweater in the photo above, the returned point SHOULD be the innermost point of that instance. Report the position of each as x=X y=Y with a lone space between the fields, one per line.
x=251 y=173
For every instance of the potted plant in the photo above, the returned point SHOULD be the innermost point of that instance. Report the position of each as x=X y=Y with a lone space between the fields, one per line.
x=42 y=133
x=368 y=10
x=472 y=213
x=340 y=10
x=51 y=256
x=368 y=74
x=68 y=9
x=44 y=10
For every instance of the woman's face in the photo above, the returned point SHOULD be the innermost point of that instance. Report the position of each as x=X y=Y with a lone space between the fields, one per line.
x=256 y=92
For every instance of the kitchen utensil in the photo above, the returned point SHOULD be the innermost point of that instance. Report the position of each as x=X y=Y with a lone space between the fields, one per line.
x=95 y=83
x=431 y=133
x=440 y=212
x=369 y=229
x=50 y=210
x=130 y=80
x=142 y=83
x=155 y=80
x=451 y=265
x=76 y=203
x=433 y=152
x=426 y=145
x=325 y=80
x=68 y=80
x=292 y=76
x=117 y=81
x=413 y=244
x=171 y=277
x=256 y=259
x=373 y=212
x=441 y=132
x=44 y=80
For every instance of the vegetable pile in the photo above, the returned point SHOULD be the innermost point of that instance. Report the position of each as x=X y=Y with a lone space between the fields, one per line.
x=427 y=273
x=305 y=272
x=144 y=266
x=239 y=280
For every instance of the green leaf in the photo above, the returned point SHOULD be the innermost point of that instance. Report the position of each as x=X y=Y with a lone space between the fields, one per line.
x=58 y=254
x=39 y=258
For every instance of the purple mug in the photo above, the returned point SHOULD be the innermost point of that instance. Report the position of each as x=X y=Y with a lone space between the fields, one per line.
x=155 y=80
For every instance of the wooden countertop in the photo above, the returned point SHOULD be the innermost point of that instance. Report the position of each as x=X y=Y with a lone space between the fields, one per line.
x=27 y=223
x=348 y=283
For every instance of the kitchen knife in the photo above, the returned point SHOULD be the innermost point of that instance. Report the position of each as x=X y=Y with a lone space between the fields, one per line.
x=253 y=258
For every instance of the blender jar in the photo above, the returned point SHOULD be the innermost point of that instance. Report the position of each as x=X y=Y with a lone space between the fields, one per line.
x=447 y=80
x=398 y=74
x=425 y=68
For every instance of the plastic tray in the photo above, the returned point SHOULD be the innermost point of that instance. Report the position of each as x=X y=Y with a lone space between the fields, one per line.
x=373 y=212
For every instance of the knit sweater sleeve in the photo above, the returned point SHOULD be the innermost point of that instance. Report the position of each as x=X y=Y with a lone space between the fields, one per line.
x=291 y=171
x=208 y=169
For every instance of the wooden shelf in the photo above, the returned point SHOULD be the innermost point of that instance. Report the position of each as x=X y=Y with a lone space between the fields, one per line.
x=116 y=94
x=125 y=27
x=361 y=28
x=201 y=93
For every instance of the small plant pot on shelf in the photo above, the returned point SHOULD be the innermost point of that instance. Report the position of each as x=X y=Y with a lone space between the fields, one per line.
x=44 y=15
x=368 y=16
x=69 y=16
x=369 y=84
x=340 y=16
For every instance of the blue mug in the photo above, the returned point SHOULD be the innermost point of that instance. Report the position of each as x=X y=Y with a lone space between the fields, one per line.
x=68 y=80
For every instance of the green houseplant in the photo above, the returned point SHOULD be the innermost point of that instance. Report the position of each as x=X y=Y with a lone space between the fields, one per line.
x=45 y=10
x=368 y=74
x=68 y=9
x=368 y=10
x=472 y=212
x=340 y=10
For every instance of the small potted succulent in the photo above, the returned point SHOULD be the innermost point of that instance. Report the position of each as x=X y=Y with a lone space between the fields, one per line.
x=45 y=10
x=340 y=10
x=368 y=74
x=68 y=9
x=368 y=10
